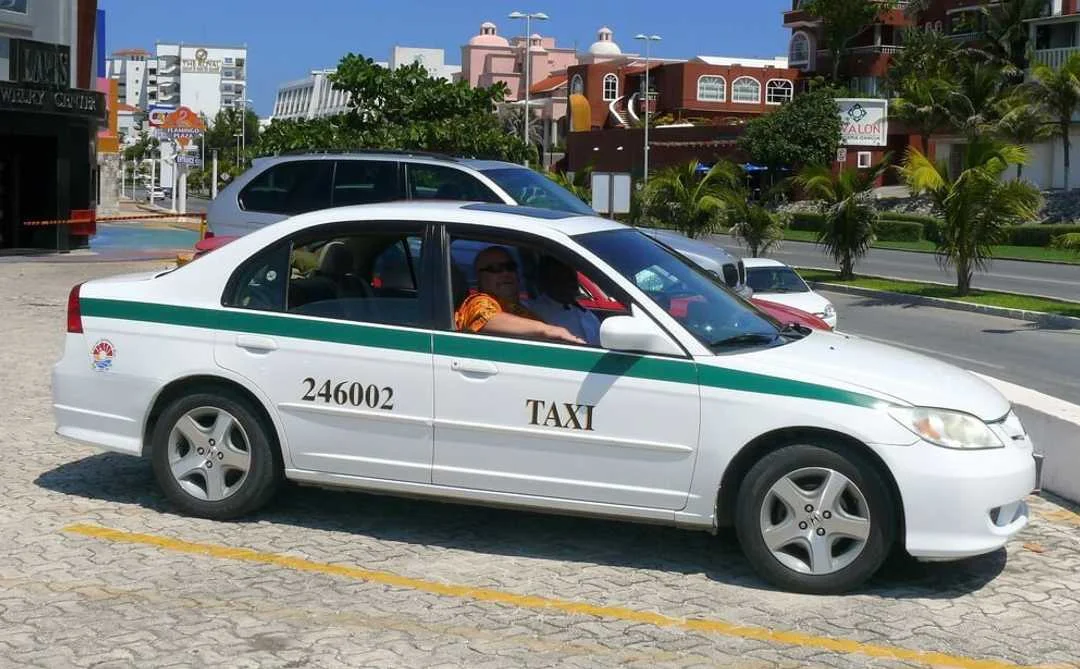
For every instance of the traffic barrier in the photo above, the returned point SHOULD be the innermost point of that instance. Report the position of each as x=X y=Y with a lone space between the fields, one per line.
x=113 y=219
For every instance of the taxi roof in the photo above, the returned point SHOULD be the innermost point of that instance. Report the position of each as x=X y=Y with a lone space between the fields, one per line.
x=446 y=211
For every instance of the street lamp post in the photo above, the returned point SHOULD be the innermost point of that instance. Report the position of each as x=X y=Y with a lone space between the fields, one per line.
x=528 y=16
x=647 y=39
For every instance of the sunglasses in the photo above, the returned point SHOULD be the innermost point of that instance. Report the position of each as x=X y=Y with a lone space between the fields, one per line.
x=500 y=267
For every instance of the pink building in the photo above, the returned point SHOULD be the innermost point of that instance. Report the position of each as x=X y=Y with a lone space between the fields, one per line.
x=489 y=58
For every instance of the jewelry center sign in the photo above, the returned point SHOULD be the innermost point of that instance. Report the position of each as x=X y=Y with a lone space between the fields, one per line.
x=863 y=121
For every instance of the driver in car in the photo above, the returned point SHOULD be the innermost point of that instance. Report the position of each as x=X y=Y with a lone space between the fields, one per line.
x=557 y=303
x=496 y=309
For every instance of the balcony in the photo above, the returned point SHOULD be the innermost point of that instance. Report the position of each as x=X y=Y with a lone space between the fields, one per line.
x=1055 y=58
x=875 y=48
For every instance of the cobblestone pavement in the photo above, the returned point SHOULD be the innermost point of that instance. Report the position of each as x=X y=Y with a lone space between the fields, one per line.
x=348 y=579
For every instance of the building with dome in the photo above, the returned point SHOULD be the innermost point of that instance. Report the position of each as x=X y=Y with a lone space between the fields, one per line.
x=488 y=58
x=603 y=49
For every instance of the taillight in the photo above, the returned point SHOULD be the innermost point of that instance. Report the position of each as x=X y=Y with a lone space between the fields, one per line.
x=209 y=234
x=74 y=313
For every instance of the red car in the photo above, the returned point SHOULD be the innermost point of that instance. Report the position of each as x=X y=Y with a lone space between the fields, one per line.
x=595 y=299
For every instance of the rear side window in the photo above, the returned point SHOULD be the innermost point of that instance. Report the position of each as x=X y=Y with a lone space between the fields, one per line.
x=435 y=182
x=293 y=187
x=365 y=182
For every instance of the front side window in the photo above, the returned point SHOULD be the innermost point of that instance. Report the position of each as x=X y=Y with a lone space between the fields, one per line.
x=778 y=91
x=436 y=182
x=369 y=277
x=528 y=188
x=292 y=187
x=611 y=87
x=775 y=280
x=365 y=182
x=746 y=89
x=711 y=88
x=699 y=301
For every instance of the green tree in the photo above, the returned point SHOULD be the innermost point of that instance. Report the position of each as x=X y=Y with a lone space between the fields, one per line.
x=927 y=54
x=848 y=206
x=754 y=225
x=1005 y=34
x=843 y=21
x=142 y=148
x=403 y=109
x=580 y=184
x=1058 y=93
x=923 y=106
x=805 y=131
x=977 y=205
x=1022 y=122
x=687 y=201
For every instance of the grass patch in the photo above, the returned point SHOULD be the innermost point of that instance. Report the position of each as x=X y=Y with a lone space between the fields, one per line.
x=988 y=298
x=1065 y=256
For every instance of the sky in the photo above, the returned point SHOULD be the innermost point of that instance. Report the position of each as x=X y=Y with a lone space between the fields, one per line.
x=287 y=39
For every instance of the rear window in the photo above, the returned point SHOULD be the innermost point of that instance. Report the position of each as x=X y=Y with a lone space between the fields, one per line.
x=365 y=182
x=293 y=187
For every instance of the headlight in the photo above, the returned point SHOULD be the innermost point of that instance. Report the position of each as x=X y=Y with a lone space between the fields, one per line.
x=948 y=429
x=830 y=311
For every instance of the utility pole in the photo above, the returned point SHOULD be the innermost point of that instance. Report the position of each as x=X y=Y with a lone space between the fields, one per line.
x=647 y=39
x=213 y=177
x=528 y=16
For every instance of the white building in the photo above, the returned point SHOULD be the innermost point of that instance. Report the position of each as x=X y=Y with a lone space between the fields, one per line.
x=129 y=68
x=314 y=95
x=204 y=78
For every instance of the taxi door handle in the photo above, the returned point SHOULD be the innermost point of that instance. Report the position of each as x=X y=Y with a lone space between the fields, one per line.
x=256 y=343
x=474 y=367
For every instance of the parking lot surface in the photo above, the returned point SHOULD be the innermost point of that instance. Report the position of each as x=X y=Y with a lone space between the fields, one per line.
x=96 y=570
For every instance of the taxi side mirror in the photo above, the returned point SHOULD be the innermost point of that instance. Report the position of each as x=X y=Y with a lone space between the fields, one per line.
x=636 y=334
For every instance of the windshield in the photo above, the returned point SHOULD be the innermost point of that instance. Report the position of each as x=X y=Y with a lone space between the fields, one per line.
x=532 y=189
x=709 y=310
x=775 y=280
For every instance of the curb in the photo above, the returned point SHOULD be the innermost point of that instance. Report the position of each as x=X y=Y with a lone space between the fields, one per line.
x=1039 y=317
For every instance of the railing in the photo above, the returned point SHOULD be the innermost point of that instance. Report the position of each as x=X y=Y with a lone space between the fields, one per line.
x=1055 y=58
x=877 y=48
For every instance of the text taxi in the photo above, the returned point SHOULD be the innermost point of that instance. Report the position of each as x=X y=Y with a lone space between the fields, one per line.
x=345 y=347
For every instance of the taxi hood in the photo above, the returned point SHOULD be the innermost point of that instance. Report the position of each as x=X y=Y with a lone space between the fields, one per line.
x=824 y=357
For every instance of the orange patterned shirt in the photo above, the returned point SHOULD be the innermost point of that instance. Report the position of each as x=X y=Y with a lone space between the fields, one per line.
x=478 y=309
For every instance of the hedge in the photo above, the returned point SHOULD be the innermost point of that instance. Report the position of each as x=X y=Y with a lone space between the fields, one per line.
x=1036 y=235
x=807 y=221
x=887 y=230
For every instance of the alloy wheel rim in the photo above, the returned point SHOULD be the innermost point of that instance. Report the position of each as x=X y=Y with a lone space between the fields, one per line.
x=209 y=454
x=815 y=521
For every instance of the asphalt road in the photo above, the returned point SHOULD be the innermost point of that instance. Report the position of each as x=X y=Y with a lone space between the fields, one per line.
x=194 y=204
x=1052 y=280
x=1044 y=359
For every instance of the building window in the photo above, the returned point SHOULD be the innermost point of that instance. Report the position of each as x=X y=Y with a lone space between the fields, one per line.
x=799 y=49
x=611 y=87
x=711 y=88
x=746 y=90
x=864 y=159
x=577 y=85
x=778 y=91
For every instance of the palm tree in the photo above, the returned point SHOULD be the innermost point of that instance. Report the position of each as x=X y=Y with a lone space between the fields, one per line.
x=687 y=200
x=753 y=225
x=1070 y=240
x=975 y=206
x=974 y=104
x=1005 y=35
x=1058 y=93
x=850 y=213
x=579 y=184
x=1023 y=123
x=923 y=106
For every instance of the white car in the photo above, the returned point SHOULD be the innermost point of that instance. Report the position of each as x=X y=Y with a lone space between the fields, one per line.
x=322 y=349
x=774 y=281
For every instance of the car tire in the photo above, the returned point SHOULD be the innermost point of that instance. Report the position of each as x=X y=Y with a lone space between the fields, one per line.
x=213 y=456
x=815 y=518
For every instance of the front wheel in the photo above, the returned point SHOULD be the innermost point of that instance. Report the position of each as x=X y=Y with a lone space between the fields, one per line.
x=813 y=520
x=213 y=457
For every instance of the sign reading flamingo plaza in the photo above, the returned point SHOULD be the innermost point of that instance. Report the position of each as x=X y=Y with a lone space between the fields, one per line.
x=864 y=121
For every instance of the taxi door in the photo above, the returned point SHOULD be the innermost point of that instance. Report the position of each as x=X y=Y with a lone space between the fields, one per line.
x=562 y=421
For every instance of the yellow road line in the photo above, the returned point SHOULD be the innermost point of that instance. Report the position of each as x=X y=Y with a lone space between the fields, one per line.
x=847 y=646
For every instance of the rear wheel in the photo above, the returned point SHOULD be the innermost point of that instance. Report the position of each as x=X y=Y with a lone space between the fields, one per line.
x=816 y=520
x=212 y=456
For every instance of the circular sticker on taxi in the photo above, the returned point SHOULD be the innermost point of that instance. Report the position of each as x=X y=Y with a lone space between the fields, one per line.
x=102 y=355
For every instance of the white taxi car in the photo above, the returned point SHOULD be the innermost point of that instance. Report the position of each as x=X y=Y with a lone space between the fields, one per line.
x=322 y=349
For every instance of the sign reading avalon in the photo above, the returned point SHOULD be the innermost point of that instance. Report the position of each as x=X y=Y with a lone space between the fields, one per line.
x=864 y=121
